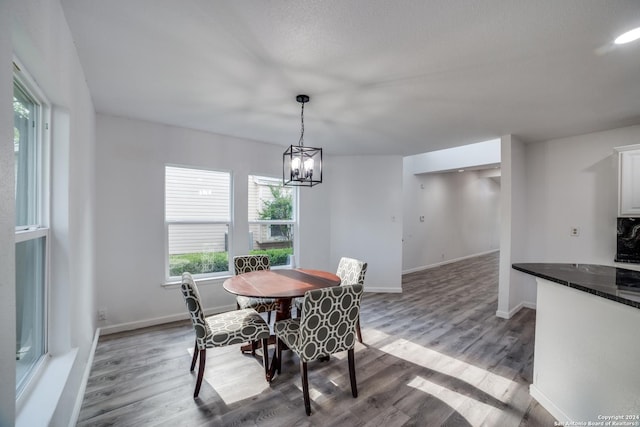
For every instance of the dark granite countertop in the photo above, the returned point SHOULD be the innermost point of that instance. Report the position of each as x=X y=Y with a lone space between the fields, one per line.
x=617 y=284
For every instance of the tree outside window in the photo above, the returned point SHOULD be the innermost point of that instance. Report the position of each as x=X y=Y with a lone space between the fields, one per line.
x=272 y=221
x=279 y=207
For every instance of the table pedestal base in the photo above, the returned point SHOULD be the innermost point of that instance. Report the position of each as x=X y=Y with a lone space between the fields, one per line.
x=283 y=313
x=248 y=348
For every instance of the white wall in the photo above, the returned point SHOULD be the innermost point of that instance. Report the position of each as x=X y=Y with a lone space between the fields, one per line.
x=365 y=208
x=41 y=40
x=573 y=182
x=314 y=228
x=461 y=217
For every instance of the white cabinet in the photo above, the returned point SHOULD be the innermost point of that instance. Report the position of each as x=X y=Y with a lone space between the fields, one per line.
x=629 y=180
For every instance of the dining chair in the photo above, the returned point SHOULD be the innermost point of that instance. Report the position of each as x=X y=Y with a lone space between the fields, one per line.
x=350 y=271
x=327 y=326
x=245 y=264
x=219 y=330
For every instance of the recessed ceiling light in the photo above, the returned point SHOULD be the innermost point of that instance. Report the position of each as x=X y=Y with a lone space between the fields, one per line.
x=460 y=170
x=628 y=37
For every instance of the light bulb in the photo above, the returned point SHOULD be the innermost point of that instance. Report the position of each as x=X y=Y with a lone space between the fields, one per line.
x=295 y=166
x=308 y=168
x=308 y=164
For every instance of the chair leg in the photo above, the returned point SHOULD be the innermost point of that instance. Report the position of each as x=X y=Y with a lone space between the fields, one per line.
x=253 y=348
x=278 y=355
x=269 y=317
x=195 y=357
x=305 y=387
x=203 y=359
x=358 y=332
x=352 y=373
x=265 y=356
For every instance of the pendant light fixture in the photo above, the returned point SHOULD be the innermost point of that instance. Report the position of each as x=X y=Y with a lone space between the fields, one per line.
x=302 y=166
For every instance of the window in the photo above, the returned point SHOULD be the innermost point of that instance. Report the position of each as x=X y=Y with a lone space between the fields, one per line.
x=32 y=232
x=272 y=219
x=197 y=221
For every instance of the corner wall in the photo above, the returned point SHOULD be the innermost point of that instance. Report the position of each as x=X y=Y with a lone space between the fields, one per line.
x=366 y=216
x=512 y=293
x=557 y=185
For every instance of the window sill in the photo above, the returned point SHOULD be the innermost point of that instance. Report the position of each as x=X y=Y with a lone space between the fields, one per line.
x=36 y=406
x=205 y=281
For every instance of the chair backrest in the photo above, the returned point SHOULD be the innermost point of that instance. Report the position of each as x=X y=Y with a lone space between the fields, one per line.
x=194 y=306
x=248 y=263
x=351 y=271
x=328 y=323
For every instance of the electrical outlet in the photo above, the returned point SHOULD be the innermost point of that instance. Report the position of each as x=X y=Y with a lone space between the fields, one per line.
x=574 y=232
x=102 y=314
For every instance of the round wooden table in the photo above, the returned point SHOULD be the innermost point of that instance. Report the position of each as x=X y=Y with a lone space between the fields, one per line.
x=282 y=285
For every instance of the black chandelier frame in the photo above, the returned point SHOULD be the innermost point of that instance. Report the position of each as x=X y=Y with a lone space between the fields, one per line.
x=302 y=166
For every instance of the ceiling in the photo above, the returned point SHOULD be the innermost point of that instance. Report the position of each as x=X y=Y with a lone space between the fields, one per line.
x=384 y=77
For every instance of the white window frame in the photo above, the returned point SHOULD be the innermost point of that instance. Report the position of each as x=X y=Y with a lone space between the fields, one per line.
x=229 y=224
x=293 y=222
x=41 y=226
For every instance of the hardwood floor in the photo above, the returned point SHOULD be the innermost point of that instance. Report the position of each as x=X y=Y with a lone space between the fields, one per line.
x=434 y=355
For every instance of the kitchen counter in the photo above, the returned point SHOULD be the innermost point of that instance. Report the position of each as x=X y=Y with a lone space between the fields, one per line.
x=586 y=341
x=616 y=284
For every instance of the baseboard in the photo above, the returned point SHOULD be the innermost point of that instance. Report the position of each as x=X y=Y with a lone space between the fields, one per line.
x=503 y=314
x=509 y=314
x=130 y=326
x=85 y=378
x=449 y=261
x=547 y=404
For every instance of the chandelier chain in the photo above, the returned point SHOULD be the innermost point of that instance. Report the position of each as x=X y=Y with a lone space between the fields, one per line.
x=301 y=141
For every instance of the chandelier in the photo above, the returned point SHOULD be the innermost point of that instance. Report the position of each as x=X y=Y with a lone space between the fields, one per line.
x=302 y=166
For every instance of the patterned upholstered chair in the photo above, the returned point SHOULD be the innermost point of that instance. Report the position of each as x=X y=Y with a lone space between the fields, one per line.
x=350 y=271
x=234 y=327
x=327 y=326
x=246 y=264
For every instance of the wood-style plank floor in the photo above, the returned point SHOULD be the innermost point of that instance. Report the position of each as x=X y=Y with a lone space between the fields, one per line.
x=434 y=355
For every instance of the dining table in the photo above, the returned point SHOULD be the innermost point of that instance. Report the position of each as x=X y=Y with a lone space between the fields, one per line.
x=281 y=284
